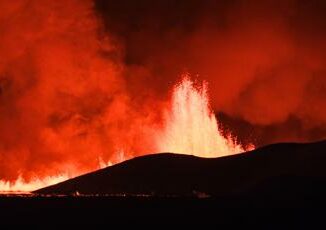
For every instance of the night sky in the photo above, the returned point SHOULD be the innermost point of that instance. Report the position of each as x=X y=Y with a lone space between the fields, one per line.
x=264 y=60
x=83 y=80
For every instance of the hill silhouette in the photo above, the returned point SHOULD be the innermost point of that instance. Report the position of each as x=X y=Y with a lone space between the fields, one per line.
x=279 y=169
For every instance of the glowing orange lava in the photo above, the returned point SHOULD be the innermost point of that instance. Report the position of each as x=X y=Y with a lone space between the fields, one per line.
x=20 y=185
x=191 y=126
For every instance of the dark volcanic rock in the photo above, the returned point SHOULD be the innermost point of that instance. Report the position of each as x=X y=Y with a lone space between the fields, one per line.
x=289 y=169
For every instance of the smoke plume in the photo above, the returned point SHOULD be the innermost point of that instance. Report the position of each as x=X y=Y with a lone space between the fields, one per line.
x=264 y=61
x=83 y=80
x=63 y=99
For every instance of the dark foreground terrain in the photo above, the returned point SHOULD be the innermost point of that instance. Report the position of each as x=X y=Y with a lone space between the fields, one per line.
x=112 y=212
x=284 y=170
x=267 y=187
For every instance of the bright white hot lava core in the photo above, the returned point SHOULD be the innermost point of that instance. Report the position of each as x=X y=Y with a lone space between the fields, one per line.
x=191 y=126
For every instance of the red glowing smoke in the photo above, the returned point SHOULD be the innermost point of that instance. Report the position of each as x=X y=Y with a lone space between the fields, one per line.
x=64 y=102
x=83 y=80
x=264 y=60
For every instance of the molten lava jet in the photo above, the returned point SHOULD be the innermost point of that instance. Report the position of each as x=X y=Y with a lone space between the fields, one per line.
x=189 y=127
x=82 y=86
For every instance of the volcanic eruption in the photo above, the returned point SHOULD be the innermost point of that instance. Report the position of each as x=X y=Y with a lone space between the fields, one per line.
x=189 y=127
x=88 y=84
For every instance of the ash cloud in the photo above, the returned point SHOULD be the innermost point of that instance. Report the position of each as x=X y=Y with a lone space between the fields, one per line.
x=264 y=60
x=79 y=79
x=63 y=98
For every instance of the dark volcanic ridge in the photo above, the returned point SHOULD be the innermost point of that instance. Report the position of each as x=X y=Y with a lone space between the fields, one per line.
x=287 y=170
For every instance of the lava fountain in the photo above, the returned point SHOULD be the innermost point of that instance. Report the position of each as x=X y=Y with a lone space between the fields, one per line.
x=191 y=126
x=20 y=185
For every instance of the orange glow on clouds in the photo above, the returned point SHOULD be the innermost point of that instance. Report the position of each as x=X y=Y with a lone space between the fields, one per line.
x=82 y=89
x=190 y=127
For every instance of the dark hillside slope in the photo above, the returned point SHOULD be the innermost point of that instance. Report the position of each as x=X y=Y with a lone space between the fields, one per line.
x=282 y=169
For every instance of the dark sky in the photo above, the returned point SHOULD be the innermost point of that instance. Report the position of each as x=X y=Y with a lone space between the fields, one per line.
x=80 y=82
x=283 y=43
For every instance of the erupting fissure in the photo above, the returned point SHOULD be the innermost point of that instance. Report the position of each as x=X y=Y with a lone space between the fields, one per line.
x=190 y=127
x=81 y=89
x=20 y=185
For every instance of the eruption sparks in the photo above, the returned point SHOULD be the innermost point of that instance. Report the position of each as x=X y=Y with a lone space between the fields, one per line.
x=81 y=85
x=191 y=126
